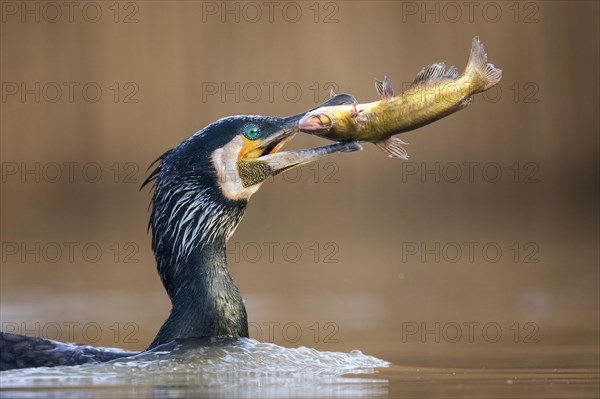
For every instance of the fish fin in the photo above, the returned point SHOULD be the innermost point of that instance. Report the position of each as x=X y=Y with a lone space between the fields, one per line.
x=357 y=115
x=332 y=94
x=393 y=147
x=385 y=89
x=482 y=74
x=429 y=74
x=451 y=73
x=379 y=87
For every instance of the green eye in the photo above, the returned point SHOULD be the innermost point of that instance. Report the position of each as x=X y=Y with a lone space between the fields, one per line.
x=251 y=131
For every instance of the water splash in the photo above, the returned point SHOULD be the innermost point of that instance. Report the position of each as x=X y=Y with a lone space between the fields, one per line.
x=238 y=367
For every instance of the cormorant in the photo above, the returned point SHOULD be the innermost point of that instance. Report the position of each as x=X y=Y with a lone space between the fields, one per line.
x=201 y=189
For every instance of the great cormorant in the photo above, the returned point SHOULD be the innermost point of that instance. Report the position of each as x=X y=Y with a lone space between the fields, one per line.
x=201 y=190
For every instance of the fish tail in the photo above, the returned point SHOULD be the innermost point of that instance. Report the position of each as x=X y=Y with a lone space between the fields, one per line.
x=482 y=74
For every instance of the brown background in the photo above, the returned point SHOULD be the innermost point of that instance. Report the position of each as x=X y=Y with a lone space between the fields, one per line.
x=366 y=208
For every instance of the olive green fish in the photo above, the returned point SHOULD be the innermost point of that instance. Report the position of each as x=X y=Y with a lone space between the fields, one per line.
x=436 y=92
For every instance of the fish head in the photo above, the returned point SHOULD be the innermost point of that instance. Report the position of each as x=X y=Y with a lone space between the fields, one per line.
x=328 y=121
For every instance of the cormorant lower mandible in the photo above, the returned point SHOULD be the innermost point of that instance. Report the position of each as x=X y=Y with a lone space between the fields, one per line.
x=201 y=189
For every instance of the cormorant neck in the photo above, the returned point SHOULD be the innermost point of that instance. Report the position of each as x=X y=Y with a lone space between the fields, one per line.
x=206 y=302
x=190 y=229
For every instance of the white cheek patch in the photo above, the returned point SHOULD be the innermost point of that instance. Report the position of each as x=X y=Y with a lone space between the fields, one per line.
x=225 y=162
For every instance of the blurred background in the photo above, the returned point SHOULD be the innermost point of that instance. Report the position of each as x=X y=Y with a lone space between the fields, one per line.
x=480 y=251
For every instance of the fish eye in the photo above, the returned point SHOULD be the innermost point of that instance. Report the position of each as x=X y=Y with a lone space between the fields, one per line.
x=251 y=131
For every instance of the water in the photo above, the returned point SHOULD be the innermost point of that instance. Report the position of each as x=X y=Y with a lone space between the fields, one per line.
x=220 y=368
x=236 y=368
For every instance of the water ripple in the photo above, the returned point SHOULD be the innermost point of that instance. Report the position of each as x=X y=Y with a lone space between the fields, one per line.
x=215 y=367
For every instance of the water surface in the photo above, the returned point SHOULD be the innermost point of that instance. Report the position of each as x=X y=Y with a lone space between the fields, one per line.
x=236 y=368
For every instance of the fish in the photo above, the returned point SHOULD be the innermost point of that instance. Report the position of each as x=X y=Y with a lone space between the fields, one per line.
x=436 y=92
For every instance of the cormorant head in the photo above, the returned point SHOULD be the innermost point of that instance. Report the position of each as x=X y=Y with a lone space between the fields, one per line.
x=202 y=185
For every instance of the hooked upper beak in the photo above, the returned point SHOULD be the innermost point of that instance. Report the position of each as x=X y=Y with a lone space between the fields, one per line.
x=281 y=161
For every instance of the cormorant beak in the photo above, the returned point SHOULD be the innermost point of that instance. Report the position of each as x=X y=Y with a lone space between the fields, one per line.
x=281 y=161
